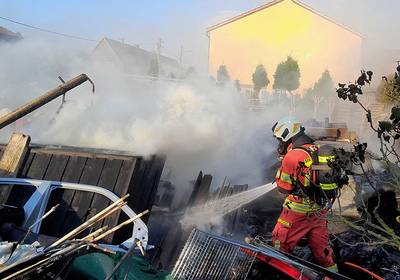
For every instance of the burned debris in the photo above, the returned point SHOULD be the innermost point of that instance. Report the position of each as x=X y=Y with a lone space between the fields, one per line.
x=66 y=206
x=104 y=186
x=47 y=223
x=39 y=263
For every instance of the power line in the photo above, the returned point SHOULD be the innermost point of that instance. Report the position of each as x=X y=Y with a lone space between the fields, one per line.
x=48 y=31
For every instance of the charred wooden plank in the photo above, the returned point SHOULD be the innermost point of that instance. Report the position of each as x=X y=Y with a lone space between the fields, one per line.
x=56 y=168
x=121 y=188
x=72 y=174
x=81 y=202
x=145 y=190
x=108 y=180
x=38 y=167
x=27 y=164
x=142 y=188
x=204 y=190
x=125 y=177
x=196 y=188
x=54 y=172
x=74 y=169
x=135 y=188
x=153 y=182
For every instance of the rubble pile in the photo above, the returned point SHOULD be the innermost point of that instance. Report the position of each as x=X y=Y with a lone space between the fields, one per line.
x=382 y=260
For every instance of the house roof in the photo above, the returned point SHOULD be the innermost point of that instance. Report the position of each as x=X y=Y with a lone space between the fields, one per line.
x=9 y=35
x=131 y=56
x=265 y=6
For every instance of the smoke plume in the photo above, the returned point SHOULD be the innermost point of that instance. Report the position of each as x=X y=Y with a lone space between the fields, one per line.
x=196 y=124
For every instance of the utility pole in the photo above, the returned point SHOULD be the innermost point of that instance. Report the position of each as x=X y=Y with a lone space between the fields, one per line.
x=180 y=60
x=158 y=53
x=180 y=55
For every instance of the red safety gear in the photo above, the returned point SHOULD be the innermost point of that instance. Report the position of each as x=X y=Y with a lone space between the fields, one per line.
x=291 y=174
x=300 y=216
x=292 y=227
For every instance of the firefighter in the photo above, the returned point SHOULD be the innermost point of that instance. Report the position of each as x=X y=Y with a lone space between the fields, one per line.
x=307 y=203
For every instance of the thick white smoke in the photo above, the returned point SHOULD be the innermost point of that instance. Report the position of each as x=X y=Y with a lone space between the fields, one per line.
x=197 y=125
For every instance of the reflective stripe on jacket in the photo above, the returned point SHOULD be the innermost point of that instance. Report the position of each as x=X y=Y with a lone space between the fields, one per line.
x=295 y=171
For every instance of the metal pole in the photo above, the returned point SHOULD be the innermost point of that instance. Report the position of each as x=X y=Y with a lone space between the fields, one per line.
x=121 y=261
x=42 y=100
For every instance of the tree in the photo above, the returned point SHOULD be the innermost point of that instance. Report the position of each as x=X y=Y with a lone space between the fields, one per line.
x=389 y=88
x=260 y=78
x=325 y=84
x=222 y=75
x=292 y=75
x=321 y=95
x=287 y=75
x=287 y=78
x=377 y=229
x=279 y=77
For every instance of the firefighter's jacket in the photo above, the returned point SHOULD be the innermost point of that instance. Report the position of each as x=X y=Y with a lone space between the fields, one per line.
x=296 y=177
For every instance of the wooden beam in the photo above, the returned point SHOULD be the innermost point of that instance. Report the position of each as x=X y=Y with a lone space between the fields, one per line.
x=42 y=100
x=204 y=190
x=14 y=154
x=196 y=188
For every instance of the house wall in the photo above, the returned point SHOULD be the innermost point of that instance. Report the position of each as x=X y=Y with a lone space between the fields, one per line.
x=286 y=28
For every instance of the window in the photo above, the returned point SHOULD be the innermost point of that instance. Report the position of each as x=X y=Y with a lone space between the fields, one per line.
x=76 y=207
x=16 y=195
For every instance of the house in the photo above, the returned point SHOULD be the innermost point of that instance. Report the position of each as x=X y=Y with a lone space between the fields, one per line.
x=272 y=32
x=133 y=60
x=9 y=36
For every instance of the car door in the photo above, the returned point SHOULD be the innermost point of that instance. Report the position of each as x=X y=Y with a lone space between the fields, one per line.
x=78 y=203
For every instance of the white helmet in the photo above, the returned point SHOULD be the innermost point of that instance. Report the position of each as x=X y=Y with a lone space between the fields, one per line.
x=286 y=128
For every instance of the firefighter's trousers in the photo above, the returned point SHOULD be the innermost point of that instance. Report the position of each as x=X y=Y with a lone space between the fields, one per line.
x=293 y=226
